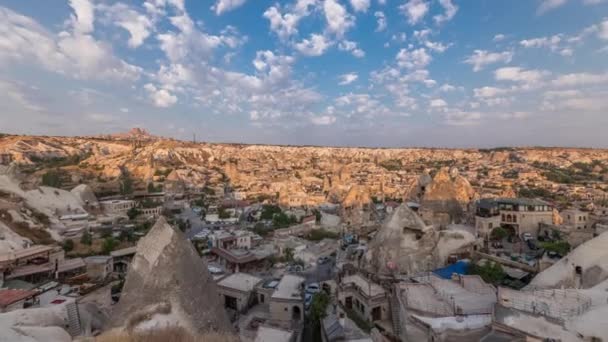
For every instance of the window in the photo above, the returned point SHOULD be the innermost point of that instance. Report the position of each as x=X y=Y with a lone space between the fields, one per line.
x=490 y=225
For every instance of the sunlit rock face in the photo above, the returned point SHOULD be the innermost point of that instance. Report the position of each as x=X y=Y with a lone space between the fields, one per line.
x=168 y=284
x=406 y=245
x=447 y=197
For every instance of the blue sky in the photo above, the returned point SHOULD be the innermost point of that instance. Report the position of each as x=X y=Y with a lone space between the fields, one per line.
x=448 y=73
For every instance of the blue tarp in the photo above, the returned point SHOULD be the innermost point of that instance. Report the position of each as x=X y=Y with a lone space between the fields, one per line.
x=460 y=267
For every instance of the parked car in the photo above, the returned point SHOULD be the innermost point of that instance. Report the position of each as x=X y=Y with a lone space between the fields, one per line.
x=323 y=260
x=313 y=288
x=526 y=236
x=497 y=244
x=307 y=300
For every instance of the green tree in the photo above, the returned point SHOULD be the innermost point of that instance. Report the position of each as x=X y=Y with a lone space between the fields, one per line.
x=269 y=211
x=499 y=233
x=52 y=178
x=68 y=245
x=126 y=183
x=133 y=213
x=86 y=238
x=109 y=244
x=223 y=213
x=318 y=311
x=490 y=272
x=559 y=247
x=288 y=254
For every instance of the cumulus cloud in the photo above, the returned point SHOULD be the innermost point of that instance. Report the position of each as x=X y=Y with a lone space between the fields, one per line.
x=352 y=47
x=481 y=58
x=580 y=79
x=602 y=32
x=223 y=6
x=71 y=52
x=414 y=10
x=83 y=17
x=499 y=37
x=437 y=103
x=160 y=97
x=381 y=21
x=360 y=5
x=338 y=19
x=450 y=11
x=348 y=78
x=518 y=74
x=316 y=45
x=547 y=42
x=488 y=92
x=414 y=59
x=284 y=22
x=138 y=25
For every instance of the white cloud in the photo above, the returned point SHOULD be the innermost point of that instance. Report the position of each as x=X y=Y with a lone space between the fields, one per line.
x=381 y=21
x=438 y=103
x=499 y=37
x=580 y=79
x=603 y=30
x=517 y=74
x=316 y=45
x=481 y=58
x=450 y=11
x=160 y=97
x=360 y=5
x=124 y=110
x=414 y=10
x=447 y=87
x=223 y=6
x=348 y=78
x=338 y=19
x=352 y=47
x=488 y=92
x=462 y=118
x=546 y=42
x=286 y=24
x=323 y=120
x=414 y=59
x=19 y=94
x=137 y=24
x=83 y=17
x=70 y=52
x=548 y=5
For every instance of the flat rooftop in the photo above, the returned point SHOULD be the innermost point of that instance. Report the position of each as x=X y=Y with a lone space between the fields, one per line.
x=366 y=286
x=240 y=281
x=289 y=287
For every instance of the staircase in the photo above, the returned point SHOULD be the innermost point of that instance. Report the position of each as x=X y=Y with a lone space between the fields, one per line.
x=396 y=316
x=74 y=328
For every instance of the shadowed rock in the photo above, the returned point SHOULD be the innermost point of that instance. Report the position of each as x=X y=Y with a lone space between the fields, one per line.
x=168 y=285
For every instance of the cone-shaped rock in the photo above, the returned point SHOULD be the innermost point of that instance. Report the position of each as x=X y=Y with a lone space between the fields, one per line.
x=405 y=245
x=168 y=284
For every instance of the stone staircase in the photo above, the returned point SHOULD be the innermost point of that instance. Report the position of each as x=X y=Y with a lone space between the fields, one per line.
x=396 y=317
x=74 y=328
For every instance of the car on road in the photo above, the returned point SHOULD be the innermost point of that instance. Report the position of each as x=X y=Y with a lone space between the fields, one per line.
x=313 y=288
x=526 y=237
x=307 y=300
x=323 y=260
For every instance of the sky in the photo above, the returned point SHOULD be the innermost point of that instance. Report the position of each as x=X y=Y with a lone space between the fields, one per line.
x=377 y=73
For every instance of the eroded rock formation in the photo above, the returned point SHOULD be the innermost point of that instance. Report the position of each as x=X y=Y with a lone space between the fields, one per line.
x=168 y=284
